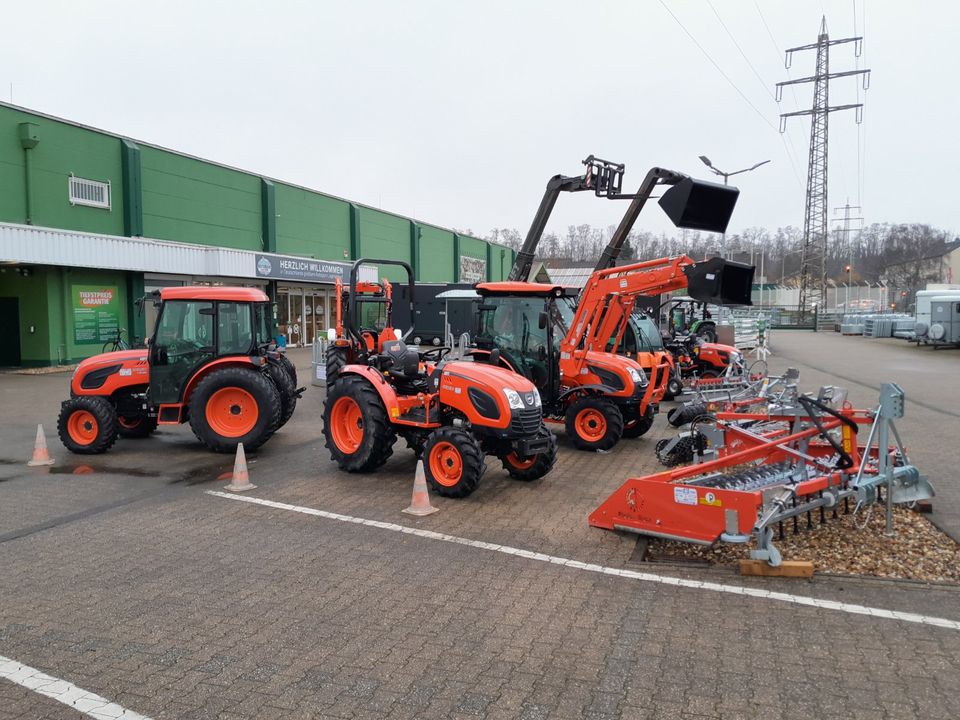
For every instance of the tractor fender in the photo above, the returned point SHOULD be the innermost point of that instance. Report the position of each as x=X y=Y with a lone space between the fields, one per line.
x=384 y=389
x=243 y=361
x=592 y=389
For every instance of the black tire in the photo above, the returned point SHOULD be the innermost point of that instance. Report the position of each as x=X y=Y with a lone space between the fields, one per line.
x=136 y=427
x=254 y=384
x=612 y=423
x=453 y=462
x=680 y=416
x=674 y=388
x=287 y=389
x=637 y=426
x=336 y=359
x=92 y=433
x=376 y=437
x=708 y=332
x=289 y=367
x=542 y=462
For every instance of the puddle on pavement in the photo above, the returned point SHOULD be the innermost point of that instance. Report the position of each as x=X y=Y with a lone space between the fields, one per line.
x=215 y=472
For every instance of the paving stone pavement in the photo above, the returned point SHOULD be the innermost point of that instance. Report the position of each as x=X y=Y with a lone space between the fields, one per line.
x=178 y=604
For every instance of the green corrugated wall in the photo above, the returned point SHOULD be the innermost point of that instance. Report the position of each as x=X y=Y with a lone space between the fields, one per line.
x=189 y=200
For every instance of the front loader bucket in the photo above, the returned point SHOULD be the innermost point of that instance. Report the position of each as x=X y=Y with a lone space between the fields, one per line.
x=720 y=282
x=700 y=205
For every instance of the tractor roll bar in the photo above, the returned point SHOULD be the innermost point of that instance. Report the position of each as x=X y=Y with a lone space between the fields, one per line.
x=355 y=273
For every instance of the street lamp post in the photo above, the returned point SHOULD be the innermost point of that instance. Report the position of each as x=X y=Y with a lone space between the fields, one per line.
x=726 y=176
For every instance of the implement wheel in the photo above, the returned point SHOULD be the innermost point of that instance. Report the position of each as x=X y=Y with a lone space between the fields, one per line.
x=536 y=466
x=594 y=423
x=674 y=388
x=232 y=406
x=453 y=462
x=636 y=426
x=356 y=428
x=87 y=425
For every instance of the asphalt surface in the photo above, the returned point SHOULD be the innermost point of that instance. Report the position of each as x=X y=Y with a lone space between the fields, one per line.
x=123 y=576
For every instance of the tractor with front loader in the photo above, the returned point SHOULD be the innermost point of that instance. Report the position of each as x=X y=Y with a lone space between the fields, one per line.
x=211 y=362
x=451 y=413
x=567 y=344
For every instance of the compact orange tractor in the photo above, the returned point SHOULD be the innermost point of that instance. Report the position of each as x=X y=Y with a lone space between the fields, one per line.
x=451 y=413
x=211 y=362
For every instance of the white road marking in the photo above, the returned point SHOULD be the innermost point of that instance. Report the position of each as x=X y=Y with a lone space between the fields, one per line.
x=850 y=608
x=64 y=692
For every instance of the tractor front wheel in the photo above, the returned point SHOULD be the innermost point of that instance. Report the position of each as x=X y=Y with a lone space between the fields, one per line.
x=594 y=423
x=638 y=425
x=87 y=425
x=536 y=466
x=232 y=406
x=453 y=462
x=355 y=425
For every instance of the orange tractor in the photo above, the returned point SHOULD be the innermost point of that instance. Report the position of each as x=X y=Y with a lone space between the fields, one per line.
x=211 y=362
x=451 y=413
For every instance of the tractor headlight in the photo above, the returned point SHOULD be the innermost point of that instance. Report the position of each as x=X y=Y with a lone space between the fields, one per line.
x=537 y=402
x=513 y=399
x=635 y=375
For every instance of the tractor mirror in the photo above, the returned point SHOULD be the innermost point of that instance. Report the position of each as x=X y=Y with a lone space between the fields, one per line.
x=542 y=320
x=720 y=282
x=486 y=307
x=700 y=205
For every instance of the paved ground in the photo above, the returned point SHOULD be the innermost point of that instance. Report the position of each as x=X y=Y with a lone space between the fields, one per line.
x=132 y=582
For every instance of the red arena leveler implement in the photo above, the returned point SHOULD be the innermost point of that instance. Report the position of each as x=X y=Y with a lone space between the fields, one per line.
x=760 y=480
x=211 y=362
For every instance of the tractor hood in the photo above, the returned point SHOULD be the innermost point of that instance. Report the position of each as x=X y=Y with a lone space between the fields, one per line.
x=720 y=282
x=491 y=375
x=113 y=358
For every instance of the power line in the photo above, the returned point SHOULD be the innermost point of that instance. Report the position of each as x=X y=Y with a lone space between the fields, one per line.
x=718 y=68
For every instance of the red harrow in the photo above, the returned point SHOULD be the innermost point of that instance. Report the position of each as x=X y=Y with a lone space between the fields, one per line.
x=803 y=459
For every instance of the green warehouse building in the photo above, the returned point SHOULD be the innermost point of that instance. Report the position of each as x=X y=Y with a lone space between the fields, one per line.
x=90 y=221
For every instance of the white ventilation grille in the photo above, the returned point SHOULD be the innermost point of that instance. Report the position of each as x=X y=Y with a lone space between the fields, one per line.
x=89 y=192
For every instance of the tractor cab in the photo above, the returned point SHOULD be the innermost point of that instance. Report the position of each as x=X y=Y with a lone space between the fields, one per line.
x=196 y=326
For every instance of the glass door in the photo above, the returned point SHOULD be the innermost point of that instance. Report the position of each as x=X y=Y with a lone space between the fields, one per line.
x=295 y=328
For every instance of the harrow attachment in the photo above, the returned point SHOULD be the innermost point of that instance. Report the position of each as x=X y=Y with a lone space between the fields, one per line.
x=761 y=469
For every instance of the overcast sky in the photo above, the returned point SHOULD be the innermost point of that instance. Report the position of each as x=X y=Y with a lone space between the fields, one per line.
x=458 y=112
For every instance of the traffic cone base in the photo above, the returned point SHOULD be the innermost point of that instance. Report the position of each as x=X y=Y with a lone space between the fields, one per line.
x=241 y=478
x=420 y=503
x=41 y=456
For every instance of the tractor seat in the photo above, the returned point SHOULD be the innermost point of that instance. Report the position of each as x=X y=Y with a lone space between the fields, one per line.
x=400 y=360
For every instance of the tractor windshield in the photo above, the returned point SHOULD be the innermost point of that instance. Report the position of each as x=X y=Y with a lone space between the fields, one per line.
x=512 y=324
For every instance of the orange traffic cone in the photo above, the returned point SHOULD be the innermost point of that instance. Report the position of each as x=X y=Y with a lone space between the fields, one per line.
x=241 y=478
x=420 y=504
x=41 y=455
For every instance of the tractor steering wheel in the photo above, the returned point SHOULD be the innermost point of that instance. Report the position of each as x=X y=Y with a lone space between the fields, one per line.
x=439 y=352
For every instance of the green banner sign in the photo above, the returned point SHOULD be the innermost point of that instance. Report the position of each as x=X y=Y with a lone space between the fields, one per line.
x=96 y=313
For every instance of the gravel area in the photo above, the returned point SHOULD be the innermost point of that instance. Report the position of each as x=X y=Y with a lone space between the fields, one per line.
x=918 y=551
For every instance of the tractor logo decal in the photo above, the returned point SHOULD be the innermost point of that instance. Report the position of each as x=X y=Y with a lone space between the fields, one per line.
x=264 y=266
x=530 y=399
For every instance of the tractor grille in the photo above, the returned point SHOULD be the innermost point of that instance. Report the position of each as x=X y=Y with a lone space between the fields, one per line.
x=525 y=422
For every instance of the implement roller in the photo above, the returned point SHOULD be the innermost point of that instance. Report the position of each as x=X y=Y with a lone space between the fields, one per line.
x=806 y=461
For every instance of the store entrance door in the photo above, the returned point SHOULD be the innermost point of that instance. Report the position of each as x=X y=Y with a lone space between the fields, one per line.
x=10 y=332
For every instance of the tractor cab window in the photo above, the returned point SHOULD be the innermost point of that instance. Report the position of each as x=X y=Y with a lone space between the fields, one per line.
x=263 y=323
x=512 y=324
x=182 y=342
x=234 y=329
x=648 y=335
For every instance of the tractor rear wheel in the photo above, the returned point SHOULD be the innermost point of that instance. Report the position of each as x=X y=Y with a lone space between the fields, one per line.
x=453 y=462
x=232 y=406
x=136 y=426
x=535 y=467
x=594 y=423
x=289 y=367
x=639 y=425
x=356 y=427
x=87 y=425
x=336 y=359
x=287 y=388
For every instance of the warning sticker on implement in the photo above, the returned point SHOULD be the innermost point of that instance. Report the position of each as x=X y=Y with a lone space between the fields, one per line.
x=685 y=495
